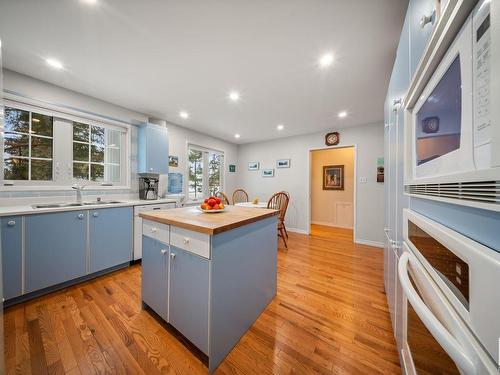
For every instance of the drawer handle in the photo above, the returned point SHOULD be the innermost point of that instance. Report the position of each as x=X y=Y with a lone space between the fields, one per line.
x=186 y=240
x=154 y=230
x=95 y=214
x=11 y=223
x=80 y=216
x=172 y=255
x=163 y=251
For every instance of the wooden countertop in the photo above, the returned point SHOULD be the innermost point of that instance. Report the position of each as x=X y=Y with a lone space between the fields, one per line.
x=193 y=219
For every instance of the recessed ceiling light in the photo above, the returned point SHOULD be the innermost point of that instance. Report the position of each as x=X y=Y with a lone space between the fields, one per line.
x=184 y=114
x=342 y=114
x=89 y=1
x=56 y=64
x=326 y=60
x=280 y=127
x=236 y=136
x=234 y=96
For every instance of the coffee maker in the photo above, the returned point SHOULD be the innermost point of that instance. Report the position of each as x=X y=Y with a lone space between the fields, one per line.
x=148 y=186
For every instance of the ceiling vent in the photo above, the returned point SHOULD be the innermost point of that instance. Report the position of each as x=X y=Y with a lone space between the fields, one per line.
x=484 y=191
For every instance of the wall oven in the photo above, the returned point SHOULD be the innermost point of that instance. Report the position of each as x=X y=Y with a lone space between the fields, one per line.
x=452 y=136
x=451 y=303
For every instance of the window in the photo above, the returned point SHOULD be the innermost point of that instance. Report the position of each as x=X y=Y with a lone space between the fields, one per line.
x=205 y=171
x=28 y=146
x=41 y=148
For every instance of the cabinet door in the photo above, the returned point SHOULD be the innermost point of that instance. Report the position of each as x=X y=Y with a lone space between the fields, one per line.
x=155 y=275
x=153 y=149
x=188 y=306
x=56 y=248
x=12 y=257
x=111 y=232
x=419 y=36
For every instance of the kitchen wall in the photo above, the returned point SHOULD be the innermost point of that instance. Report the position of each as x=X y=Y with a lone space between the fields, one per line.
x=332 y=207
x=369 y=140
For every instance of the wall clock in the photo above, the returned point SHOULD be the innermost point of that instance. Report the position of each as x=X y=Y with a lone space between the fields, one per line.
x=332 y=139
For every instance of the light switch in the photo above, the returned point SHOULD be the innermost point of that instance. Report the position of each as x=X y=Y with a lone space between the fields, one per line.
x=363 y=180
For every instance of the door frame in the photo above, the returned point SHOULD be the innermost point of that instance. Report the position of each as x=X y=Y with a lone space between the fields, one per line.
x=355 y=196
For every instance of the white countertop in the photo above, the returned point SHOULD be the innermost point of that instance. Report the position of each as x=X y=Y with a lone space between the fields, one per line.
x=27 y=209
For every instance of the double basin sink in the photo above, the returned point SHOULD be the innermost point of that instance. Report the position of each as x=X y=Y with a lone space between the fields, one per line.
x=61 y=205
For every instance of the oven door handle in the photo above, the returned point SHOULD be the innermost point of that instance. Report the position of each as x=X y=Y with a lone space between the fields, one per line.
x=456 y=351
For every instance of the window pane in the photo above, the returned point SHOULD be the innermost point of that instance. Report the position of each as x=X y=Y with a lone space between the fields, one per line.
x=214 y=172
x=113 y=156
x=41 y=124
x=80 y=171
x=41 y=147
x=80 y=152
x=195 y=174
x=16 y=169
x=113 y=138
x=97 y=172
x=113 y=173
x=16 y=145
x=41 y=170
x=97 y=154
x=97 y=135
x=16 y=120
x=80 y=132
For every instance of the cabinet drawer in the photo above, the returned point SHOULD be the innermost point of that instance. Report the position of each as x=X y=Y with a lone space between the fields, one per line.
x=156 y=231
x=195 y=242
x=153 y=207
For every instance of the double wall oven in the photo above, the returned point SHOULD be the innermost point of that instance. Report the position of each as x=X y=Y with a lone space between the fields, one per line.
x=451 y=301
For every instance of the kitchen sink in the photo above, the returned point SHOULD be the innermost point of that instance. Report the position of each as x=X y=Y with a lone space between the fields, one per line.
x=61 y=205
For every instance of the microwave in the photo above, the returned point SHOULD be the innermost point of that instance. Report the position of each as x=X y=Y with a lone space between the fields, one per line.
x=452 y=136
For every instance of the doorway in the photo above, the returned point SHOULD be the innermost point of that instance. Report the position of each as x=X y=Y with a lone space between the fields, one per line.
x=332 y=191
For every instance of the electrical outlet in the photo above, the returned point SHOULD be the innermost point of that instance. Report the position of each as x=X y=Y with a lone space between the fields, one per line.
x=363 y=180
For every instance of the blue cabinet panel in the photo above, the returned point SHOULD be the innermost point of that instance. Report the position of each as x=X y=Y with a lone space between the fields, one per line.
x=419 y=36
x=153 y=149
x=55 y=248
x=12 y=257
x=189 y=295
x=111 y=231
x=155 y=275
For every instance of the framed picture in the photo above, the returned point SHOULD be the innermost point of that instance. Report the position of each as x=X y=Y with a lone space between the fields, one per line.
x=333 y=177
x=253 y=166
x=283 y=163
x=268 y=173
x=173 y=161
x=380 y=169
x=232 y=168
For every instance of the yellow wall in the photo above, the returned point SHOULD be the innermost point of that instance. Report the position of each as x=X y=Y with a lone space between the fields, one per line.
x=332 y=207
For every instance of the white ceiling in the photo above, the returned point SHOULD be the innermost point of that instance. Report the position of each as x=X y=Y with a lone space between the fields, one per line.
x=160 y=57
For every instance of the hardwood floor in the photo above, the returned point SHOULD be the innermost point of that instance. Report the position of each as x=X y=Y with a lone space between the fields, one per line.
x=330 y=317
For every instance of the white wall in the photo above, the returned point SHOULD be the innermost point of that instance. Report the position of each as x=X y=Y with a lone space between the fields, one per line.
x=369 y=140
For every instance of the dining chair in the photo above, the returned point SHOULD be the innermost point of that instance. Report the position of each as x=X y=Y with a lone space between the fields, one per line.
x=279 y=201
x=240 y=195
x=223 y=197
x=284 y=226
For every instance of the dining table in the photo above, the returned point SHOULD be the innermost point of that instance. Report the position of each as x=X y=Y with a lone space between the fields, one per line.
x=252 y=205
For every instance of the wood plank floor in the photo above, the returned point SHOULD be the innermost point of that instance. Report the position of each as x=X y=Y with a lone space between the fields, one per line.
x=330 y=317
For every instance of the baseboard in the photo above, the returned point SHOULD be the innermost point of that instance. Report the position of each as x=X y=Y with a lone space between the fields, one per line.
x=296 y=230
x=327 y=224
x=369 y=243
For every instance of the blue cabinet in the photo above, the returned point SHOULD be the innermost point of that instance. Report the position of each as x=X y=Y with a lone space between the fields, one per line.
x=155 y=275
x=420 y=35
x=12 y=256
x=189 y=294
x=56 y=248
x=153 y=149
x=111 y=231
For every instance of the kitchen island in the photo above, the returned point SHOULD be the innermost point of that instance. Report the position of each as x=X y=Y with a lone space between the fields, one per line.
x=209 y=275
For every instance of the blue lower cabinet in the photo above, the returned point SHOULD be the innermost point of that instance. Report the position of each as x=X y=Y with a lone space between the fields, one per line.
x=56 y=248
x=155 y=275
x=111 y=231
x=12 y=256
x=189 y=294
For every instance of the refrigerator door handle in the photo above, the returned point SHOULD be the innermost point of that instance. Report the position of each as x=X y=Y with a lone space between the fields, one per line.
x=456 y=351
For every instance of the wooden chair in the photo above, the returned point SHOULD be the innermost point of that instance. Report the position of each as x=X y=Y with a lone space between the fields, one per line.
x=240 y=195
x=284 y=226
x=279 y=201
x=223 y=197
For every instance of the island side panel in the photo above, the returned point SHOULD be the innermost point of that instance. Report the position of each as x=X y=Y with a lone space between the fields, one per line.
x=243 y=282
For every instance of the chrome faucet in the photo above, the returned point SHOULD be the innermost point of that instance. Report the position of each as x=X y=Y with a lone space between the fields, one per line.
x=78 y=189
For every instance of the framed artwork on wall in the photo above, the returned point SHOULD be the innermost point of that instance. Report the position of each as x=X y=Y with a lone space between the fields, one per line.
x=333 y=177
x=173 y=161
x=232 y=168
x=380 y=169
x=283 y=163
x=253 y=166
x=268 y=173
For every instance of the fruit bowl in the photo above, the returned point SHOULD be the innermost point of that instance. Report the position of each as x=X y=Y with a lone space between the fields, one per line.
x=212 y=205
x=211 y=211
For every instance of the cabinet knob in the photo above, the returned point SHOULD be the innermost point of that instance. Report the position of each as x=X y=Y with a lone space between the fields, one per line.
x=186 y=240
x=163 y=251
x=11 y=223
x=95 y=214
x=80 y=216
x=154 y=230
x=172 y=255
x=427 y=19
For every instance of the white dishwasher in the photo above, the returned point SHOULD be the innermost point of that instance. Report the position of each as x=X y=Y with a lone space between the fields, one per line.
x=138 y=223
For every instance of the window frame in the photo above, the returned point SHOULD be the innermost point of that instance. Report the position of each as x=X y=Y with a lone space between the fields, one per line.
x=205 y=179
x=62 y=153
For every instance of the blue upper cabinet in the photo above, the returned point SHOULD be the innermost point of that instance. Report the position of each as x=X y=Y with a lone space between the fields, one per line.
x=422 y=21
x=56 y=248
x=153 y=149
x=111 y=232
x=12 y=256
